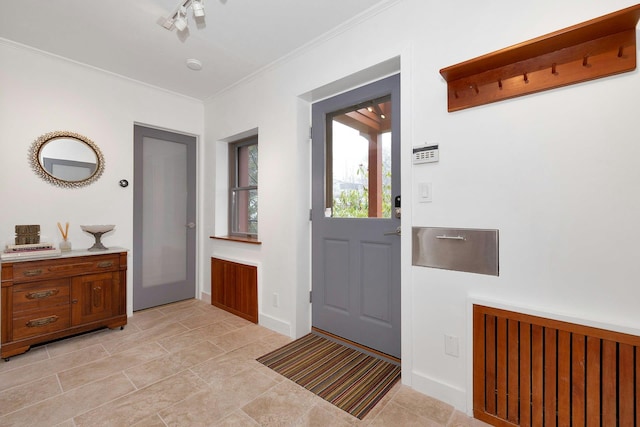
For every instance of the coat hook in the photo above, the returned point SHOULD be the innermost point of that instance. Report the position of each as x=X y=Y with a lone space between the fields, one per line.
x=553 y=69
x=475 y=88
x=585 y=61
x=455 y=93
x=500 y=83
x=620 y=50
x=526 y=78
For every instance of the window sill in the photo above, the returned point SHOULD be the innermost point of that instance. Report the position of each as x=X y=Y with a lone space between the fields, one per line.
x=251 y=240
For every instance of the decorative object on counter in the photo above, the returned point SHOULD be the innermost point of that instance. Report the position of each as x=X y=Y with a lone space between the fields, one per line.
x=27 y=234
x=65 y=245
x=66 y=159
x=29 y=250
x=97 y=231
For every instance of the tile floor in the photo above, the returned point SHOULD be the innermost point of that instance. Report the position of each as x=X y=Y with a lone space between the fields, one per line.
x=183 y=364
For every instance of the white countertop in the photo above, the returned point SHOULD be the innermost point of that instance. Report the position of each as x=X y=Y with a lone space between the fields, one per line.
x=72 y=253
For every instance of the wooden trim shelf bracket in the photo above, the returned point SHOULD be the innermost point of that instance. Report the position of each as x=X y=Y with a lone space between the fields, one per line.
x=597 y=48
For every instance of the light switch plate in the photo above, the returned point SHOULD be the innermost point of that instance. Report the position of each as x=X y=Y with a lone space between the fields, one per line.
x=425 y=192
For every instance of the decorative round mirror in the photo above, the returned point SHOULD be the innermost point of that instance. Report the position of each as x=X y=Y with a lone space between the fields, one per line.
x=66 y=159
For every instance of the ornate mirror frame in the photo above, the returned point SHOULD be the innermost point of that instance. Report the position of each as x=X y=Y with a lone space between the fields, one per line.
x=38 y=168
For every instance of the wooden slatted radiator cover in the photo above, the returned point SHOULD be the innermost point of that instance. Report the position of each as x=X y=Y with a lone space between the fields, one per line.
x=533 y=371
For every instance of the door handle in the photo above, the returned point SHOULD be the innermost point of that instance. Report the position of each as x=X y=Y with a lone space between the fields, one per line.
x=397 y=232
x=191 y=225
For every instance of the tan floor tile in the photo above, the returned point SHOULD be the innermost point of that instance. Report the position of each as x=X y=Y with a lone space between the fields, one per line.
x=67 y=405
x=148 y=335
x=243 y=387
x=28 y=394
x=320 y=416
x=422 y=405
x=181 y=305
x=152 y=421
x=259 y=348
x=142 y=404
x=220 y=368
x=459 y=419
x=191 y=337
x=79 y=342
x=172 y=363
x=237 y=419
x=235 y=321
x=36 y=354
x=47 y=367
x=273 y=375
x=68 y=423
x=200 y=409
x=282 y=405
x=395 y=415
x=146 y=319
x=105 y=367
x=241 y=337
x=200 y=320
x=158 y=322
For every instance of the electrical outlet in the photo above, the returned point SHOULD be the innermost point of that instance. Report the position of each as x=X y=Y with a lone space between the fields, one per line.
x=452 y=345
x=276 y=300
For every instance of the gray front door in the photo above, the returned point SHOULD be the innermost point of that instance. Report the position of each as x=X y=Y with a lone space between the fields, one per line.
x=164 y=212
x=355 y=230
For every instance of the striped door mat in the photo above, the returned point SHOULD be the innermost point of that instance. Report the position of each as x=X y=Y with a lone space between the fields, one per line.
x=347 y=378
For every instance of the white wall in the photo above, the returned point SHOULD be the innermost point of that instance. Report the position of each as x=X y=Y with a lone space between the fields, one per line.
x=555 y=172
x=41 y=94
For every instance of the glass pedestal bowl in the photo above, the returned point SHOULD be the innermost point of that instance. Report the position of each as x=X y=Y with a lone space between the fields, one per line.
x=97 y=231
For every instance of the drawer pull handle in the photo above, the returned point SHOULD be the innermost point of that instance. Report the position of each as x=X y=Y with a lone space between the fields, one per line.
x=31 y=273
x=105 y=264
x=42 y=294
x=451 y=237
x=43 y=321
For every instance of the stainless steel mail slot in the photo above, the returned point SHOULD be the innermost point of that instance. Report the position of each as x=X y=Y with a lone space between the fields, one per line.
x=460 y=249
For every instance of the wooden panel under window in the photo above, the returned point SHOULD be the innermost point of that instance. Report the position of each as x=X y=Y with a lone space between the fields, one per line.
x=532 y=371
x=234 y=288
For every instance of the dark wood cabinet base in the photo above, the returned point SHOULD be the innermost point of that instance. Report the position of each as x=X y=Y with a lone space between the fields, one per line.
x=48 y=299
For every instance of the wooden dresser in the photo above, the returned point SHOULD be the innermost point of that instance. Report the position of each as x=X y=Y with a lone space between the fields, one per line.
x=47 y=299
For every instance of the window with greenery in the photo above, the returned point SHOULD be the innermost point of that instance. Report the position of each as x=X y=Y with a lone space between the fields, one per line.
x=359 y=161
x=243 y=182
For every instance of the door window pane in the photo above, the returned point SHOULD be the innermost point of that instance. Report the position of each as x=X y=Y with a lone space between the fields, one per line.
x=359 y=161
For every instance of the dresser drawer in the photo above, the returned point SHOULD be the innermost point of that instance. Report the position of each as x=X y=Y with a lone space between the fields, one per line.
x=38 y=270
x=42 y=294
x=42 y=321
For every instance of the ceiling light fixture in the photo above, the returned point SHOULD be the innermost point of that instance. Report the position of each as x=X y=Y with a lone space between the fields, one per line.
x=198 y=8
x=181 y=21
x=178 y=18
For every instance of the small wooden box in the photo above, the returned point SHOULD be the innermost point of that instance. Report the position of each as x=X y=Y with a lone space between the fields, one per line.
x=27 y=234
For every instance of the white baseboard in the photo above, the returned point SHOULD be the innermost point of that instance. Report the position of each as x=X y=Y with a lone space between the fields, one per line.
x=274 y=324
x=447 y=393
x=205 y=297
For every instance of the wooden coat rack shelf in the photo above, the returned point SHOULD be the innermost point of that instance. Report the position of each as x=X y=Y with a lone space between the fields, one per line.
x=601 y=47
